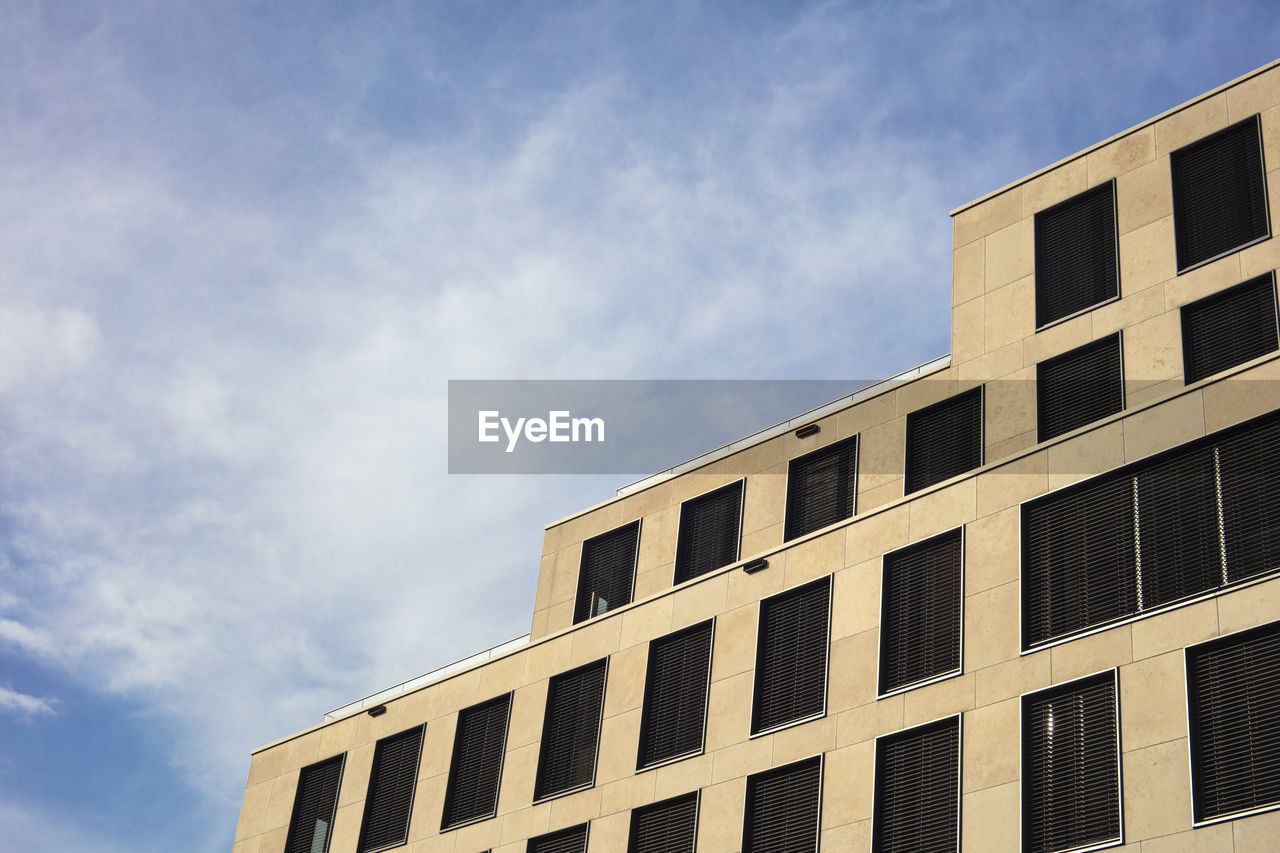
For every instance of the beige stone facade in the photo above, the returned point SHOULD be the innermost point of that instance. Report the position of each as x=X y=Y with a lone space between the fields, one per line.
x=995 y=343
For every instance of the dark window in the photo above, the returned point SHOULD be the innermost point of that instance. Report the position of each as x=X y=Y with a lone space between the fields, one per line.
x=1233 y=700
x=709 y=528
x=1187 y=522
x=571 y=840
x=476 y=770
x=1229 y=328
x=1076 y=254
x=782 y=809
x=944 y=440
x=1079 y=387
x=607 y=572
x=571 y=730
x=390 y=799
x=1070 y=766
x=670 y=826
x=791 y=656
x=314 y=805
x=820 y=487
x=1219 y=193
x=917 y=804
x=675 y=696
x=920 y=612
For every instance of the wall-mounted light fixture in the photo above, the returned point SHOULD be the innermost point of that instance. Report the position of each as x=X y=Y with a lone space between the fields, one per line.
x=377 y=711
x=755 y=565
x=808 y=430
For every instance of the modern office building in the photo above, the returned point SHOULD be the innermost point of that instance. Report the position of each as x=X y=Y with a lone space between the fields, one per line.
x=1024 y=597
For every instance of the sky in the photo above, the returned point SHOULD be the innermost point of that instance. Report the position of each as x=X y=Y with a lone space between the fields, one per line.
x=244 y=246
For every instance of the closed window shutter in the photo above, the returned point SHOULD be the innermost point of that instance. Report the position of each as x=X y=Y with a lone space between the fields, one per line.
x=1076 y=254
x=314 y=806
x=476 y=770
x=920 y=619
x=791 y=656
x=917 y=800
x=1179 y=552
x=709 y=528
x=821 y=487
x=1079 y=387
x=391 y=784
x=1070 y=766
x=571 y=840
x=944 y=440
x=670 y=826
x=1219 y=193
x=571 y=730
x=1234 y=706
x=1250 y=473
x=1077 y=559
x=782 y=809
x=1229 y=328
x=675 y=701
x=607 y=572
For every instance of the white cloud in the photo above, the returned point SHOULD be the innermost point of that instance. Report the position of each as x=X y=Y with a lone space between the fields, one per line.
x=24 y=705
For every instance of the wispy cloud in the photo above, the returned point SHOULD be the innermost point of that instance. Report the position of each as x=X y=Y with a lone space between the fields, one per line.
x=23 y=705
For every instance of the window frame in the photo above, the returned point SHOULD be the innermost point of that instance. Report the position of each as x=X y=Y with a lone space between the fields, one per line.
x=542 y=740
x=829 y=579
x=741 y=484
x=821 y=760
x=706 y=700
x=585 y=826
x=1118 y=335
x=1063 y=687
x=856 y=441
x=981 y=391
x=421 y=728
x=1219 y=294
x=341 y=760
x=952 y=673
x=696 y=794
x=1035 y=228
x=582 y=556
x=875 y=765
x=453 y=764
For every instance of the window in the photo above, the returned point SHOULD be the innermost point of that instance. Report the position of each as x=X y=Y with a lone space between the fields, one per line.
x=675 y=695
x=1071 y=766
x=571 y=840
x=1079 y=387
x=571 y=730
x=390 y=798
x=1219 y=194
x=1229 y=328
x=920 y=612
x=944 y=440
x=1233 y=702
x=782 y=809
x=314 y=805
x=1184 y=523
x=709 y=528
x=1076 y=254
x=821 y=487
x=791 y=656
x=670 y=826
x=476 y=769
x=607 y=572
x=917 y=803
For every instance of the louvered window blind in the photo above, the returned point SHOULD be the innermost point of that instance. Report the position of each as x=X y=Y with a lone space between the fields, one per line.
x=917 y=801
x=1229 y=328
x=675 y=697
x=1233 y=702
x=388 y=804
x=571 y=840
x=782 y=809
x=1219 y=193
x=607 y=572
x=670 y=826
x=1079 y=387
x=1070 y=766
x=709 y=531
x=1076 y=254
x=1189 y=521
x=821 y=487
x=791 y=656
x=571 y=730
x=314 y=806
x=944 y=440
x=920 y=612
x=476 y=770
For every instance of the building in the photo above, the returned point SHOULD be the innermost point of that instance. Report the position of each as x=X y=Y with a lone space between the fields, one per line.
x=1023 y=597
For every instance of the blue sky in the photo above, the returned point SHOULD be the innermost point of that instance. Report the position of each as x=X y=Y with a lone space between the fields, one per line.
x=244 y=246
